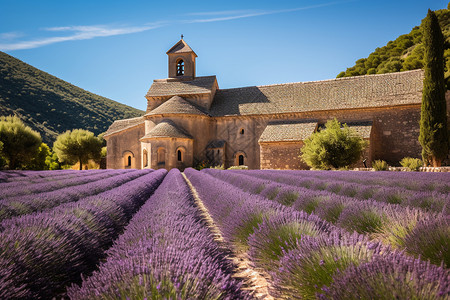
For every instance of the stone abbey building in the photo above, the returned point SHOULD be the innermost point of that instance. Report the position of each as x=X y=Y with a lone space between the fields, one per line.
x=190 y=120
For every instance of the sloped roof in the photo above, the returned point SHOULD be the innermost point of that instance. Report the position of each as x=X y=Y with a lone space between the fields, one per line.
x=342 y=93
x=177 y=105
x=180 y=47
x=120 y=125
x=363 y=128
x=166 y=129
x=214 y=144
x=199 y=85
x=287 y=132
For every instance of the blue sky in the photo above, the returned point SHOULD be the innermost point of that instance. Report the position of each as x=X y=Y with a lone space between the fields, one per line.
x=116 y=48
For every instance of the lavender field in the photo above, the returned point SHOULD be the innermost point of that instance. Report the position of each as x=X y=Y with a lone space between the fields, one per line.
x=213 y=234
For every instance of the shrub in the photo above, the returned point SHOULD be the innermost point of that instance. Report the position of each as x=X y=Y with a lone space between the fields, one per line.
x=380 y=165
x=413 y=164
x=238 y=168
x=219 y=167
x=334 y=147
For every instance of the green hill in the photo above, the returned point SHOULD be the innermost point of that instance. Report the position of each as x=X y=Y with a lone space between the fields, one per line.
x=50 y=105
x=403 y=54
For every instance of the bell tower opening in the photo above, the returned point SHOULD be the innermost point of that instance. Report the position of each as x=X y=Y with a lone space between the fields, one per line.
x=181 y=61
x=180 y=67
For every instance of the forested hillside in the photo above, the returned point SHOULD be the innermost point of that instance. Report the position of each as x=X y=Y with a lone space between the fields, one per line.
x=404 y=53
x=50 y=105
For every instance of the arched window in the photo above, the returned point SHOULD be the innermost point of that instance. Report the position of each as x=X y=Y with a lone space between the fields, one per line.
x=145 y=158
x=180 y=68
x=179 y=155
x=128 y=160
x=241 y=159
x=241 y=131
x=161 y=156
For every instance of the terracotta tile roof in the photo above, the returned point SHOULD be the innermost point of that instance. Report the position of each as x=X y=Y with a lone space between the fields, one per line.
x=350 y=92
x=200 y=85
x=120 y=125
x=287 y=132
x=166 y=129
x=177 y=105
x=181 y=47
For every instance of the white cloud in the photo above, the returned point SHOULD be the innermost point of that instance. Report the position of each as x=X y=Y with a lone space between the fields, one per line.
x=10 y=35
x=76 y=33
x=218 y=13
x=226 y=18
x=248 y=14
x=73 y=33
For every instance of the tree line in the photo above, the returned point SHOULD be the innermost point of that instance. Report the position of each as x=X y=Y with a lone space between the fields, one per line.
x=407 y=52
x=339 y=147
x=22 y=148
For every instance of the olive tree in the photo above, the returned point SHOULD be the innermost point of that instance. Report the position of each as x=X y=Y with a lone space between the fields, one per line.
x=78 y=145
x=20 y=142
x=335 y=146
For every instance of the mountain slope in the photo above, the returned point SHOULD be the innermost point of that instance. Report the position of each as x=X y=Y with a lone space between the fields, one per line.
x=403 y=54
x=50 y=105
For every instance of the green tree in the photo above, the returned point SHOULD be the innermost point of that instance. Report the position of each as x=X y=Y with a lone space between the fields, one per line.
x=20 y=142
x=52 y=161
x=433 y=120
x=2 y=159
x=38 y=161
x=335 y=146
x=78 y=145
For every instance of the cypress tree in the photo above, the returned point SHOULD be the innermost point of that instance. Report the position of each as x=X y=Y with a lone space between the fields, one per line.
x=433 y=121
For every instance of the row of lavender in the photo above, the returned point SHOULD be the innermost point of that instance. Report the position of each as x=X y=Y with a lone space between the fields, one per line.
x=76 y=188
x=30 y=177
x=439 y=182
x=19 y=175
x=166 y=252
x=418 y=232
x=42 y=253
x=304 y=256
x=18 y=188
x=431 y=201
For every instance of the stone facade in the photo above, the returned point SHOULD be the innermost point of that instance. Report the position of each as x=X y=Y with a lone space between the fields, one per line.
x=190 y=120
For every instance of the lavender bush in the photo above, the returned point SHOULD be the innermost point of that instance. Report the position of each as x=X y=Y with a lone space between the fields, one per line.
x=311 y=265
x=170 y=255
x=391 y=223
x=390 y=276
x=22 y=205
x=44 y=252
x=34 y=188
x=435 y=201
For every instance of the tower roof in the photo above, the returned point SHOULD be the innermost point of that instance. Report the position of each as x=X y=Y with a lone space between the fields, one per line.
x=166 y=129
x=181 y=47
x=177 y=105
x=199 y=85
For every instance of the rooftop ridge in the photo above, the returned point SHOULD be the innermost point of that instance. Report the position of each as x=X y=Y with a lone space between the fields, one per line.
x=326 y=80
x=169 y=79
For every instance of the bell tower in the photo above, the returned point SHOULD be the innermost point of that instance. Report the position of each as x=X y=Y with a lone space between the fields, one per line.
x=181 y=61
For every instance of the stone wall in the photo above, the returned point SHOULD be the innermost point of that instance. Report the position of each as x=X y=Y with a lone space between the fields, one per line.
x=281 y=156
x=196 y=126
x=395 y=133
x=122 y=142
